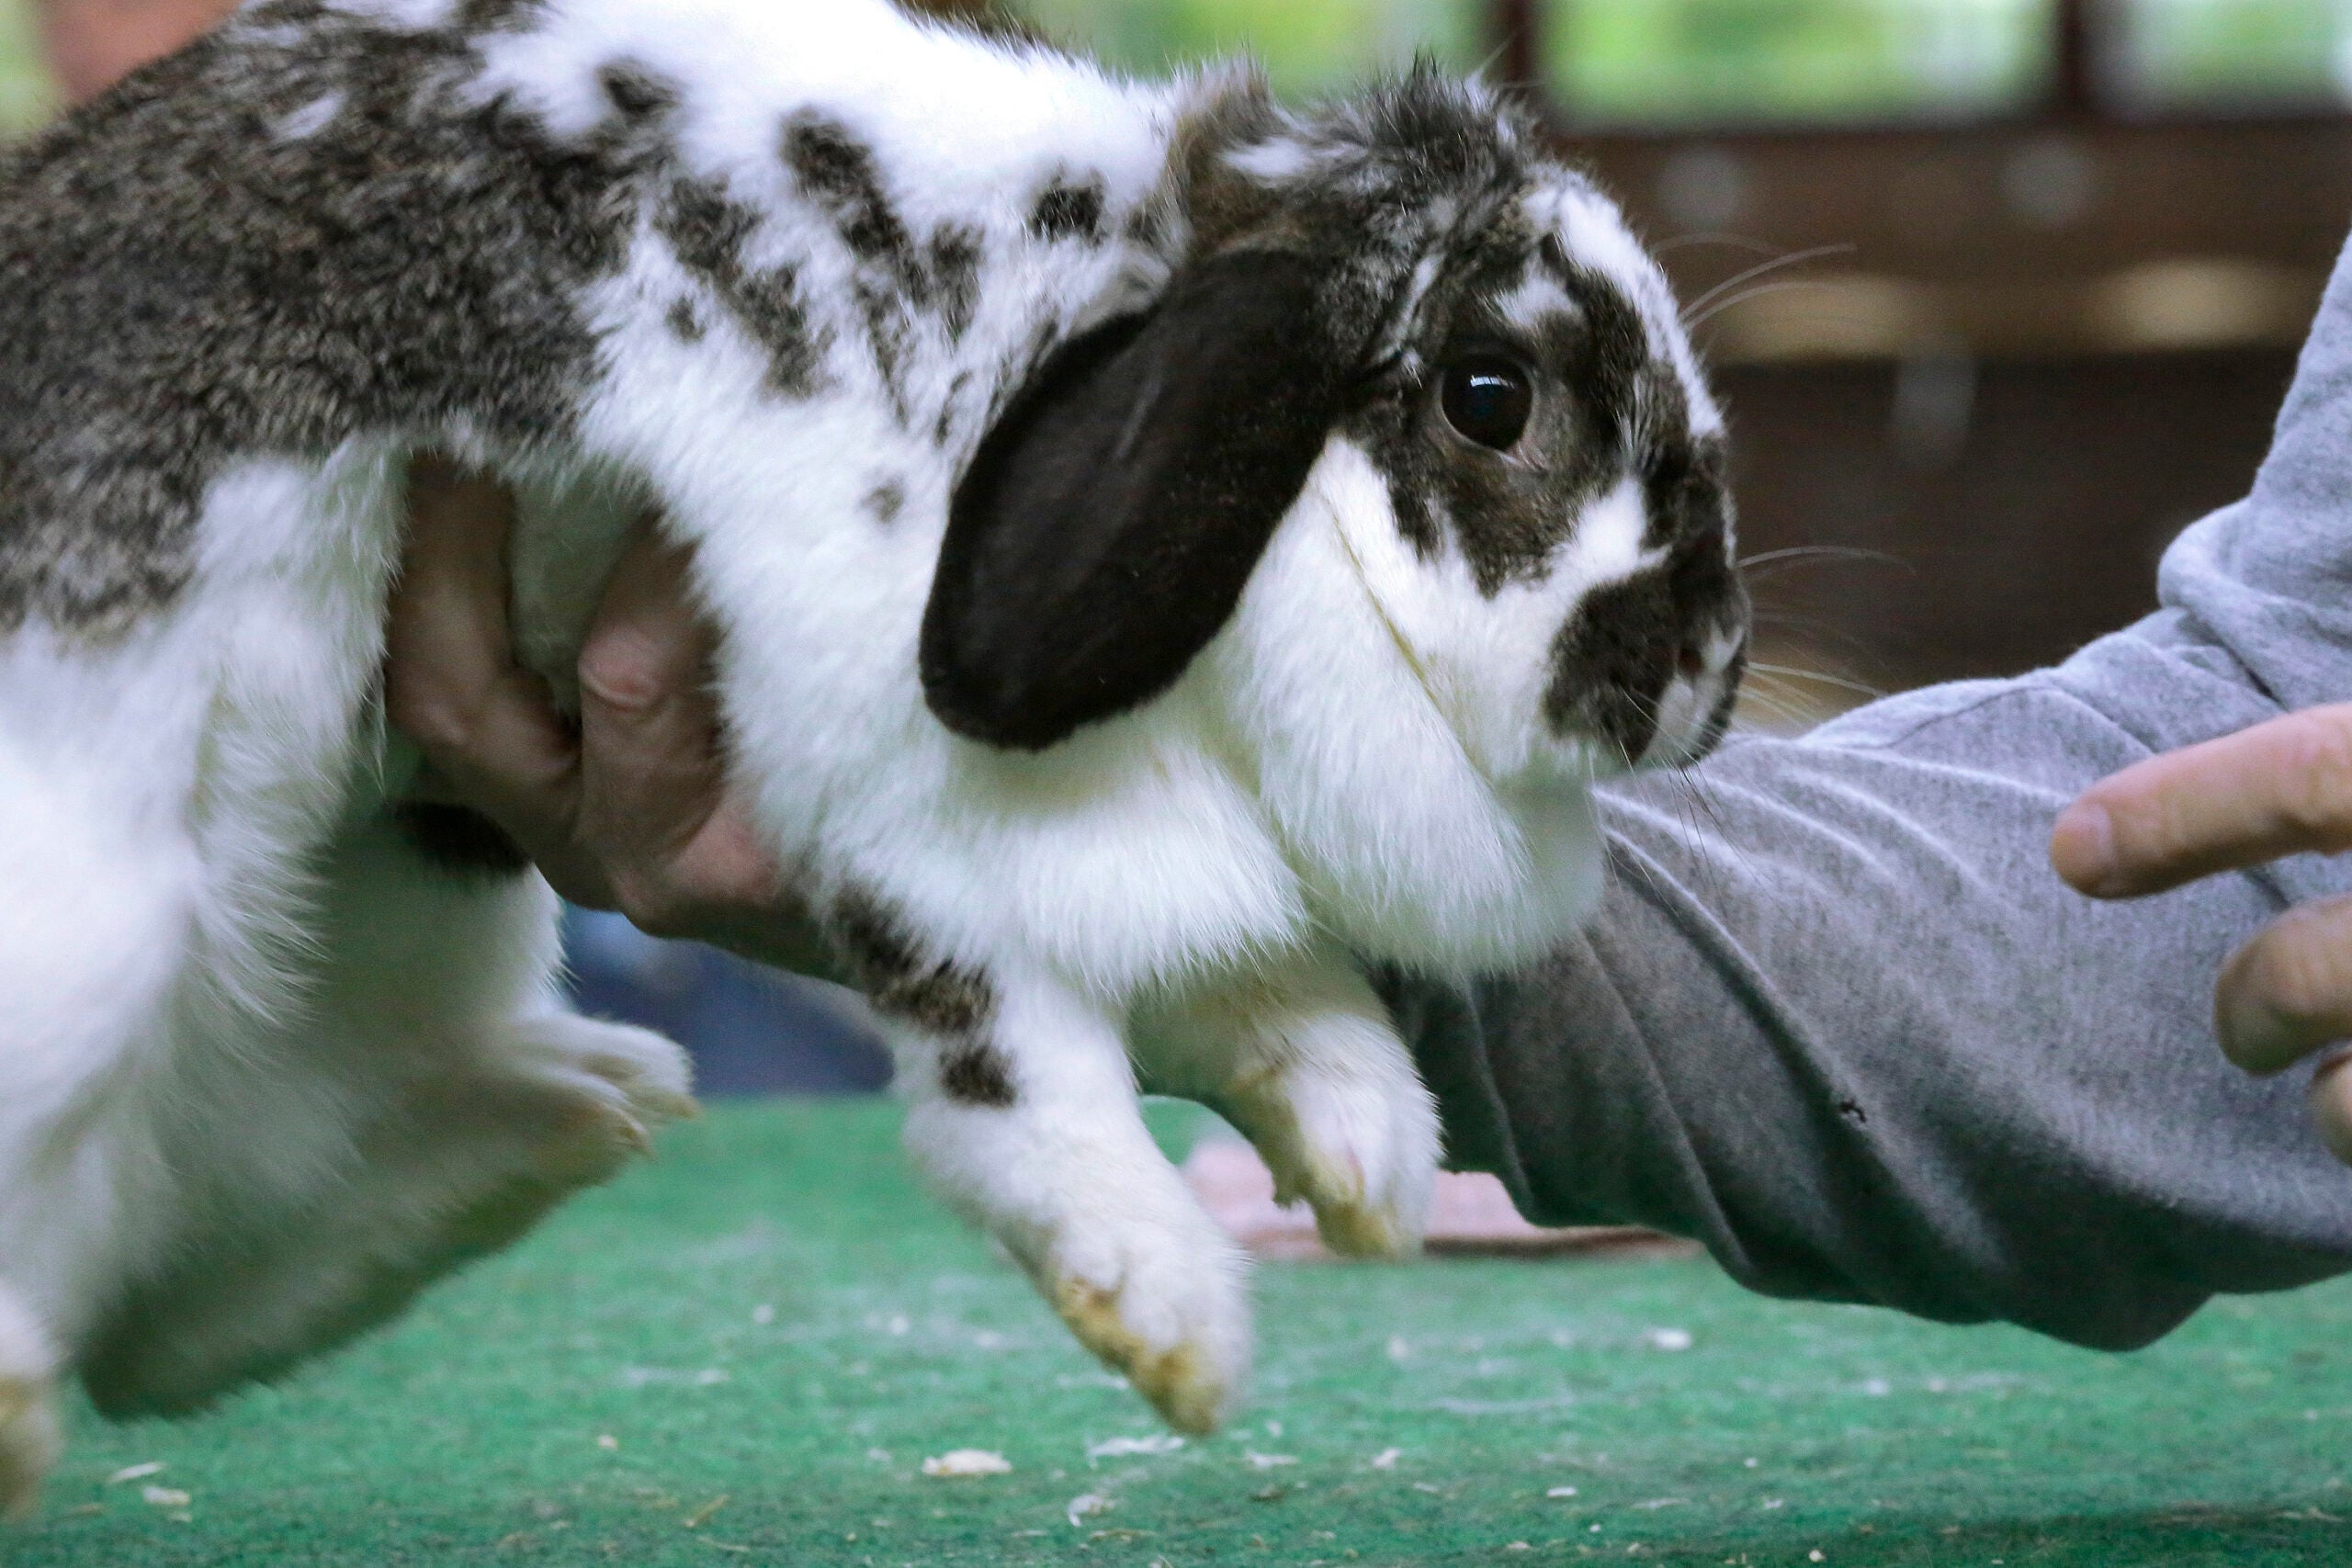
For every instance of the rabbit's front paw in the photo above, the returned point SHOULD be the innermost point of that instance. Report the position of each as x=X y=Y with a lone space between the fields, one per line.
x=1168 y=1313
x=1362 y=1151
x=30 y=1439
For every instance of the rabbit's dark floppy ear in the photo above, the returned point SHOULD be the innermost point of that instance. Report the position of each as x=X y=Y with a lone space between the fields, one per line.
x=1111 y=519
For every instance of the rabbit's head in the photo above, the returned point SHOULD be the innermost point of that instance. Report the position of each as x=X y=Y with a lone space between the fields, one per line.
x=1401 y=307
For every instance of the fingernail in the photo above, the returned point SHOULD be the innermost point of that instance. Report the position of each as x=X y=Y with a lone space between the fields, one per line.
x=2253 y=1035
x=2082 y=844
x=2249 y=1034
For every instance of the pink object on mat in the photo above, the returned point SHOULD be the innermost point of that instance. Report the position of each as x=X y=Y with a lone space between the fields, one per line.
x=1470 y=1215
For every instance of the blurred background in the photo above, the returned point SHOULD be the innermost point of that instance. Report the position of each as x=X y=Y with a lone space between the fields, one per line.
x=1999 y=293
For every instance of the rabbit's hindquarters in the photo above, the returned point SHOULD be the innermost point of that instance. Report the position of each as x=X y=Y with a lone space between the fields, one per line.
x=429 y=1104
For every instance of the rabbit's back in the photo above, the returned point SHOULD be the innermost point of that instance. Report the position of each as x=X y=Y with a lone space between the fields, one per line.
x=278 y=238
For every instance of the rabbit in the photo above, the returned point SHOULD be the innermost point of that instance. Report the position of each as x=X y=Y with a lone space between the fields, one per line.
x=1170 y=551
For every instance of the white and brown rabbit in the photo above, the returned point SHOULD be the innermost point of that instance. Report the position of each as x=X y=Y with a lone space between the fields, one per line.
x=1167 y=548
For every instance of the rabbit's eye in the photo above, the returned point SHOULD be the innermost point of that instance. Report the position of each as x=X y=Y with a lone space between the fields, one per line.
x=1489 y=399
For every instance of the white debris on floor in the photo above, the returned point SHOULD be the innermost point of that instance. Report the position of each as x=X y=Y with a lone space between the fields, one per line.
x=1121 y=1448
x=968 y=1461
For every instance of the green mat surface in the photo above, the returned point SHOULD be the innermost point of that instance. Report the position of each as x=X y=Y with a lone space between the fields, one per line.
x=773 y=1316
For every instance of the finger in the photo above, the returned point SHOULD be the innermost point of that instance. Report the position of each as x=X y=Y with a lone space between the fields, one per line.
x=452 y=579
x=647 y=648
x=2279 y=788
x=2289 y=991
x=655 y=786
x=486 y=726
x=2330 y=1102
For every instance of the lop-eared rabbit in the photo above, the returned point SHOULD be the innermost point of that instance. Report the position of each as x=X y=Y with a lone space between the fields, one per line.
x=1170 y=551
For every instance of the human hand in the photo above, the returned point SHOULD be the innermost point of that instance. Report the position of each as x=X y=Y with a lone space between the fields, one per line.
x=91 y=42
x=628 y=810
x=2279 y=788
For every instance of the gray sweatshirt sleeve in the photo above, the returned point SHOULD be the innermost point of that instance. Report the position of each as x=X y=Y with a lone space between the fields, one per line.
x=1837 y=1020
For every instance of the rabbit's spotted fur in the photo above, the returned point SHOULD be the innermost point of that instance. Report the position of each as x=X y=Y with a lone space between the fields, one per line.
x=1120 y=635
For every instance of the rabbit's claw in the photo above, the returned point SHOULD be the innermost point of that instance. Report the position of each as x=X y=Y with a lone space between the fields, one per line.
x=29 y=1440
x=1171 y=1319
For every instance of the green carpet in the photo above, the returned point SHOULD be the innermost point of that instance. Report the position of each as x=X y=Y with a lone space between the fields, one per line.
x=771 y=1316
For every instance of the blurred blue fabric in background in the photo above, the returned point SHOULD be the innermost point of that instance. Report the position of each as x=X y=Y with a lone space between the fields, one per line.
x=750 y=1030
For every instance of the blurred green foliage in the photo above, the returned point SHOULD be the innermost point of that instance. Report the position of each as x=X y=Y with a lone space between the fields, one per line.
x=1308 y=46
x=2224 y=51
x=1693 y=60
x=1698 y=62
x=25 y=96
x=1678 y=62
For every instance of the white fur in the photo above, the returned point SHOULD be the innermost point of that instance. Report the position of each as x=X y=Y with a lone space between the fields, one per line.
x=310 y=119
x=242 y=1023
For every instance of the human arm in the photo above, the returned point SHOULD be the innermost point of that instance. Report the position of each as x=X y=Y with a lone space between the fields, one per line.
x=1838 y=1020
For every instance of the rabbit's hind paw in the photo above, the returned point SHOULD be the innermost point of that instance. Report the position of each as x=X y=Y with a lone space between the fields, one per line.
x=604 y=1089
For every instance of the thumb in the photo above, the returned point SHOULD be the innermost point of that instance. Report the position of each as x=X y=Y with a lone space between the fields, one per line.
x=654 y=784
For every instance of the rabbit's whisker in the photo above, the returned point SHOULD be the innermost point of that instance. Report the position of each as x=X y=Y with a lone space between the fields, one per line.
x=1691 y=314
x=1797 y=672
x=1717 y=237
x=1819 y=552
